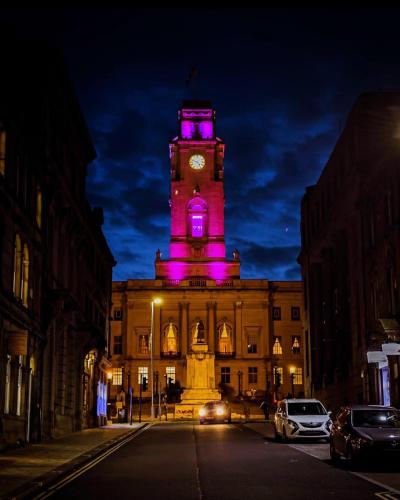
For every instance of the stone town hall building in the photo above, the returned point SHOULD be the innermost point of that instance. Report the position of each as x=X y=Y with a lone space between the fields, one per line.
x=252 y=328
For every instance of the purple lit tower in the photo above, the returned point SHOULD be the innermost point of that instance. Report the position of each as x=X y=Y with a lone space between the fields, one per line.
x=197 y=245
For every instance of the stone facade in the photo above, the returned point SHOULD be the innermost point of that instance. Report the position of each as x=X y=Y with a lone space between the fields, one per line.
x=55 y=280
x=213 y=331
x=350 y=260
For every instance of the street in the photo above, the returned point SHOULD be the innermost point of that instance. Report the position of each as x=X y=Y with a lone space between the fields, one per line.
x=193 y=462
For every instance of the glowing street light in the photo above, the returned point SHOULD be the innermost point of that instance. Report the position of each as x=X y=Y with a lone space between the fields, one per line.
x=156 y=300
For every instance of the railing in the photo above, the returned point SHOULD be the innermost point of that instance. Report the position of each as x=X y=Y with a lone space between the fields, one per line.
x=225 y=283
x=167 y=283
x=198 y=282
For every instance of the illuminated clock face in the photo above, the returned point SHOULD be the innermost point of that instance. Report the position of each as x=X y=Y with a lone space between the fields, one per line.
x=197 y=162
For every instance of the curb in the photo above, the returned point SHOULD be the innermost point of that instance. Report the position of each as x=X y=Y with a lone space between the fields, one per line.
x=35 y=486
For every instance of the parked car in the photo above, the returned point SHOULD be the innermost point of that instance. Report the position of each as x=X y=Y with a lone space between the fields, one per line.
x=365 y=430
x=215 y=411
x=301 y=418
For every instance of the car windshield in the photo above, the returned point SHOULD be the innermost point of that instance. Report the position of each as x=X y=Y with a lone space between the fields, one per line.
x=306 y=409
x=376 y=418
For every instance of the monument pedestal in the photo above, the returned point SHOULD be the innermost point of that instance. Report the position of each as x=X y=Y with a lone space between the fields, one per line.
x=200 y=385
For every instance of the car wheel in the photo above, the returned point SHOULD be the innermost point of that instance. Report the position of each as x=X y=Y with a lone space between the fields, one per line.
x=284 y=435
x=335 y=457
x=350 y=453
x=276 y=435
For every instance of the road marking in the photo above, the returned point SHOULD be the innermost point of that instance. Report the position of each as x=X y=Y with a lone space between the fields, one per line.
x=386 y=496
x=71 y=477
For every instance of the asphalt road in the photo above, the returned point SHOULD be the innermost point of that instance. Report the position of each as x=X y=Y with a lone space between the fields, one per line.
x=214 y=462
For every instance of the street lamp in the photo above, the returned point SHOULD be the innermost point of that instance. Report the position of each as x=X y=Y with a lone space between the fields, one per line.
x=153 y=302
x=240 y=373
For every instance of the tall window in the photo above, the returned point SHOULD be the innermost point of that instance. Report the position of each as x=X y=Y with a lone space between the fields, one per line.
x=252 y=344
x=295 y=344
x=17 y=288
x=276 y=313
x=197 y=226
x=298 y=375
x=143 y=371
x=278 y=371
x=117 y=349
x=39 y=207
x=25 y=276
x=19 y=387
x=226 y=375
x=2 y=152
x=117 y=376
x=295 y=313
x=7 y=391
x=170 y=372
x=225 y=339
x=277 y=347
x=170 y=339
x=252 y=374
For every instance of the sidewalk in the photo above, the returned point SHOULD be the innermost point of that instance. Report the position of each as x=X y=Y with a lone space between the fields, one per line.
x=24 y=470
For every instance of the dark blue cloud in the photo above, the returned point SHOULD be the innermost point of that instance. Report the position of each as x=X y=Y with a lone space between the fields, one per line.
x=281 y=80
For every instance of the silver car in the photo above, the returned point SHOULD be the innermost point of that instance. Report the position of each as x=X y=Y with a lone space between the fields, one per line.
x=301 y=418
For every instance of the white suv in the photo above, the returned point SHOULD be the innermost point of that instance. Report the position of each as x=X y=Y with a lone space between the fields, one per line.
x=302 y=418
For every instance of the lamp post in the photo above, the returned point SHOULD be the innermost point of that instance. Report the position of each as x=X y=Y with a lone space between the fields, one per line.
x=153 y=302
x=240 y=373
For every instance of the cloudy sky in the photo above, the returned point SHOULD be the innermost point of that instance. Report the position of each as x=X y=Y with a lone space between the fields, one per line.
x=281 y=80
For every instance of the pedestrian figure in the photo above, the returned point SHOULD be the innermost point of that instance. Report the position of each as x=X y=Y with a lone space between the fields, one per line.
x=265 y=408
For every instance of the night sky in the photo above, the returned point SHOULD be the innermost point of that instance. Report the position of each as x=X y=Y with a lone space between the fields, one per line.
x=282 y=82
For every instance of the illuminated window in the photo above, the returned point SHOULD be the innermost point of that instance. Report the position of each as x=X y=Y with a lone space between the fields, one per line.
x=19 y=387
x=278 y=374
x=197 y=226
x=224 y=339
x=117 y=376
x=295 y=313
x=25 y=277
x=2 y=152
x=252 y=344
x=170 y=339
x=143 y=372
x=117 y=348
x=296 y=345
x=225 y=375
x=170 y=372
x=277 y=347
x=39 y=207
x=298 y=375
x=276 y=313
x=252 y=373
x=143 y=344
x=17 y=267
x=118 y=314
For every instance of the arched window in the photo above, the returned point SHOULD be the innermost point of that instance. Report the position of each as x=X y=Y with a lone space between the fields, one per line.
x=170 y=344
x=197 y=218
x=277 y=347
x=25 y=276
x=225 y=339
x=17 y=267
x=39 y=207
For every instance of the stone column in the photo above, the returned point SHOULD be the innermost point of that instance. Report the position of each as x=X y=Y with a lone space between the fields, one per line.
x=238 y=328
x=211 y=325
x=183 y=306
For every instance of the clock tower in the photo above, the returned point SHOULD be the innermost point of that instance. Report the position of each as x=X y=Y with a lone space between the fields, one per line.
x=197 y=242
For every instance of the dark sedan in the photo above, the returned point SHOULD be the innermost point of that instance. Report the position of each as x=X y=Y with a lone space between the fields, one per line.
x=215 y=411
x=365 y=431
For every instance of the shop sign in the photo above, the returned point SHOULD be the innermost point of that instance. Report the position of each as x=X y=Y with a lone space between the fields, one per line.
x=376 y=357
x=391 y=349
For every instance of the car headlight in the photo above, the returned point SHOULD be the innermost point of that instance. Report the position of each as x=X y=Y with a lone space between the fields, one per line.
x=220 y=411
x=294 y=425
x=202 y=412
